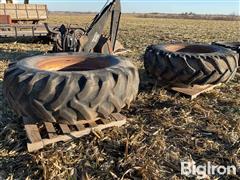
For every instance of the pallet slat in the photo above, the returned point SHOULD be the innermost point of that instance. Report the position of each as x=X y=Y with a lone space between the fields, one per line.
x=195 y=90
x=65 y=129
x=93 y=124
x=105 y=121
x=117 y=116
x=33 y=133
x=79 y=127
x=50 y=129
x=37 y=142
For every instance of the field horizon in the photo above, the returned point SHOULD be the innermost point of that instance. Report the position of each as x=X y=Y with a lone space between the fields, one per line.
x=186 y=15
x=163 y=128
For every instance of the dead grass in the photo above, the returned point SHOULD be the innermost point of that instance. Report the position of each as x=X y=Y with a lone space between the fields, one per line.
x=163 y=128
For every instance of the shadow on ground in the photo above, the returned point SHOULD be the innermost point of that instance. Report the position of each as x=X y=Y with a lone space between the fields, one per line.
x=14 y=55
x=27 y=40
x=146 y=83
x=13 y=157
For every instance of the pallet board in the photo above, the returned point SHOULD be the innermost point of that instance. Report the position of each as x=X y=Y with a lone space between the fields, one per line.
x=47 y=133
x=191 y=92
x=195 y=90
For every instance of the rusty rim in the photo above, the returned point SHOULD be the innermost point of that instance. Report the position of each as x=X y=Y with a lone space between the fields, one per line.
x=68 y=62
x=74 y=63
x=186 y=48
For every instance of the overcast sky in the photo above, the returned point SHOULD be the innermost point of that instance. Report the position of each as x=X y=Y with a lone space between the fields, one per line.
x=163 y=6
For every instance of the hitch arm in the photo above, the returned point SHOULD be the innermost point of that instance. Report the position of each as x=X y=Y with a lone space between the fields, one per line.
x=95 y=30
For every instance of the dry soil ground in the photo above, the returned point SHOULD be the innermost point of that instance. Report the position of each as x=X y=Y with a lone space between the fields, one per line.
x=163 y=128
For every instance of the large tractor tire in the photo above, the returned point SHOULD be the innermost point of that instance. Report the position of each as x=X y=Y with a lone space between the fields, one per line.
x=235 y=46
x=189 y=64
x=68 y=87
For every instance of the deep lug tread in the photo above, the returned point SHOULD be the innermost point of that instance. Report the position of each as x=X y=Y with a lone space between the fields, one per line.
x=190 y=69
x=55 y=96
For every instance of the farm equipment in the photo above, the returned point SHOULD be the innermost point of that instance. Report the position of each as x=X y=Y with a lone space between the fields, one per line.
x=78 y=103
x=22 y=13
x=22 y=20
x=67 y=39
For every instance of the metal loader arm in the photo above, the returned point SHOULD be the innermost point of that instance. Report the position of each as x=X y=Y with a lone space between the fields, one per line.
x=96 y=28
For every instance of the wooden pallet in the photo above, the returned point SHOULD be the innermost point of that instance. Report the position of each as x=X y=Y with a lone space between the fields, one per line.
x=191 y=92
x=194 y=91
x=48 y=133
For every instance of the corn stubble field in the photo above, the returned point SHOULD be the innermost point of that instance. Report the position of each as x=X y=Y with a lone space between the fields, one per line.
x=163 y=128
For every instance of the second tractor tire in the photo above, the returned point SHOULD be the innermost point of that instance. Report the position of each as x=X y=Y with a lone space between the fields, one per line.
x=235 y=46
x=190 y=64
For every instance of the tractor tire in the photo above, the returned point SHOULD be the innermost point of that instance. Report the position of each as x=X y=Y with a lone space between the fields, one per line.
x=68 y=87
x=235 y=46
x=189 y=64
